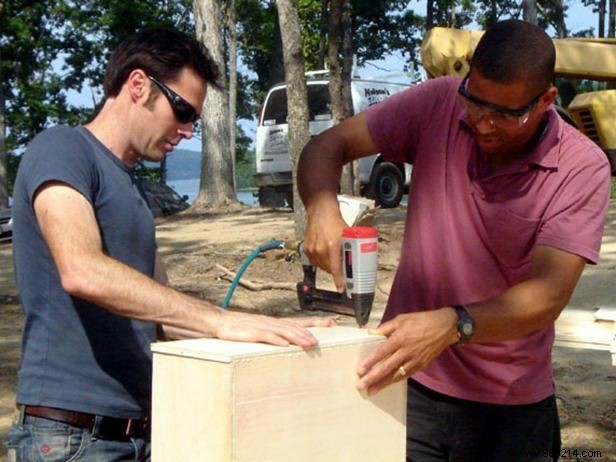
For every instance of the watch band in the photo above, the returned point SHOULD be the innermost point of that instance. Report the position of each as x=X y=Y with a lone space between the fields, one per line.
x=465 y=325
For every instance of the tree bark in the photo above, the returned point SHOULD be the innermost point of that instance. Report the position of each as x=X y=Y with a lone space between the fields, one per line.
x=429 y=14
x=529 y=9
x=276 y=74
x=340 y=76
x=216 y=187
x=347 y=75
x=561 y=27
x=297 y=98
x=4 y=190
x=323 y=34
x=601 y=13
x=232 y=46
x=611 y=29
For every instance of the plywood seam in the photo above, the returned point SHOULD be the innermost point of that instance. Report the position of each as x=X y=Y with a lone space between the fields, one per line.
x=247 y=359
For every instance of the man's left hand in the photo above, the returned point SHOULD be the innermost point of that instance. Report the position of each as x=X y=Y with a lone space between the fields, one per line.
x=414 y=340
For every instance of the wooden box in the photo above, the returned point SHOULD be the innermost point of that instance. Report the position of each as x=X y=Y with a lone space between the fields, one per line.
x=220 y=401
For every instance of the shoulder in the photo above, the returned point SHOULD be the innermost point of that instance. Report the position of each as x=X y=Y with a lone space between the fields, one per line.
x=423 y=98
x=58 y=142
x=440 y=87
x=59 y=153
x=56 y=136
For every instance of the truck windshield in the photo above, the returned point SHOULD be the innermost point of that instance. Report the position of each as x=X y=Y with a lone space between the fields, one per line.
x=318 y=99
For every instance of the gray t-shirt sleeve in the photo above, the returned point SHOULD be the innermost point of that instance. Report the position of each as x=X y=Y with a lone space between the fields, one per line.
x=59 y=154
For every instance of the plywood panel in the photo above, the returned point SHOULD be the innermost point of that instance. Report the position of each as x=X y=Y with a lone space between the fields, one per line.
x=191 y=413
x=311 y=405
x=270 y=404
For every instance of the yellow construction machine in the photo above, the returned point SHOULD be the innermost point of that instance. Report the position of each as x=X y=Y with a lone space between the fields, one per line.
x=446 y=51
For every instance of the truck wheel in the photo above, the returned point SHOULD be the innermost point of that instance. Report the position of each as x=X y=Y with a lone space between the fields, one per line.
x=269 y=197
x=386 y=185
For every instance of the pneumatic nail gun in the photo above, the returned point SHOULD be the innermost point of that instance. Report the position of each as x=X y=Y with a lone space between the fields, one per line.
x=359 y=261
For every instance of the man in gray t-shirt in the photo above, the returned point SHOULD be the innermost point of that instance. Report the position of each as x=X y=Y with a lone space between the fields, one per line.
x=92 y=285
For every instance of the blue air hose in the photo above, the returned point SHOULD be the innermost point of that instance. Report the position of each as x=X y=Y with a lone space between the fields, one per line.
x=275 y=244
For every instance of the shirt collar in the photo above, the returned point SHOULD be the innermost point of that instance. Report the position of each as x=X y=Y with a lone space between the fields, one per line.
x=545 y=152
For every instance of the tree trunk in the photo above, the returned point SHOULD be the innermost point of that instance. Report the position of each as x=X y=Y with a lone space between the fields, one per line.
x=216 y=187
x=429 y=14
x=297 y=98
x=612 y=19
x=4 y=190
x=601 y=12
x=561 y=27
x=232 y=35
x=336 y=92
x=340 y=77
x=529 y=9
x=347 y=75
x=492 y=14
x=276 y=73
x=323 y=34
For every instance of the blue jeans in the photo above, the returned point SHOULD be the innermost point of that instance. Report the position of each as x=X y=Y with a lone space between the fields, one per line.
x=445 y=429
x=37 y=439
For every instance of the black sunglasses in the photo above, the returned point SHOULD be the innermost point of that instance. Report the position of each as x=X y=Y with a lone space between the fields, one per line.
x=495 y=107
x=182 y=109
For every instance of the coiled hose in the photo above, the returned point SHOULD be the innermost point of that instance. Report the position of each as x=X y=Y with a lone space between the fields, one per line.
x=274 y=244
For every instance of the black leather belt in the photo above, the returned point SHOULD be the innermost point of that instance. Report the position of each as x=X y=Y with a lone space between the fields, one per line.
x=109 y=427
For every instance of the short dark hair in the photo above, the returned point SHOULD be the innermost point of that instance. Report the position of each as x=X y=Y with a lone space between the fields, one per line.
x=516 y=51
x=161 y=52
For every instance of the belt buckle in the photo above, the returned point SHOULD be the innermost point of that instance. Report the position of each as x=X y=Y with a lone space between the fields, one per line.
x=135 y=426
x=130 y=427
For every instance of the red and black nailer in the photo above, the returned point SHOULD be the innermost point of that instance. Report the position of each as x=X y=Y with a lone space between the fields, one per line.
x=359 y=261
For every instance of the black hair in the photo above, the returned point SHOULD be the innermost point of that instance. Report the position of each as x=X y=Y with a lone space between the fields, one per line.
x=160 y=52
x=516 y=51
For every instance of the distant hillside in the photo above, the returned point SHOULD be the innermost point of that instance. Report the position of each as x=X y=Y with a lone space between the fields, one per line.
x=183 y=164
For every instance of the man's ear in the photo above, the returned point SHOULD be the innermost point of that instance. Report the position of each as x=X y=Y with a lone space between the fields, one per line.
x=137 y=84
x=549 y=97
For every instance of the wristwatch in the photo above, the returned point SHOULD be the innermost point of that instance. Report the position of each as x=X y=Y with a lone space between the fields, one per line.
x=465 y=324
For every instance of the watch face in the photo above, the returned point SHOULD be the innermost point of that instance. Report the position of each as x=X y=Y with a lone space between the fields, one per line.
x=467 y=329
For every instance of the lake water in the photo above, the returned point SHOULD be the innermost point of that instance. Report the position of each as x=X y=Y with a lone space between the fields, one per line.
x=190 y=188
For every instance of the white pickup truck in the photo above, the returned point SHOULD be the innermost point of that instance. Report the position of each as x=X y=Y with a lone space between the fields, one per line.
x=385 y=182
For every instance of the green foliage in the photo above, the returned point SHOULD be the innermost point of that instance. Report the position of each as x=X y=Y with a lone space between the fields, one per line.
x=385 y=27
x=51 y=48
x=33 y=90
x=242 y=144
x=309 y=12
x=491 y=11
x=259 y=44
x=149 y=171
x=245 y=171
x=379 y=28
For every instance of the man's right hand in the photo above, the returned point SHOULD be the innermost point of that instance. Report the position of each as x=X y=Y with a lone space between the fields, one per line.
x=318 y=179
x=323 y=239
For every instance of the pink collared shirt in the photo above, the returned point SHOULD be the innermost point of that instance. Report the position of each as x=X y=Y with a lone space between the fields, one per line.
x=469 y=236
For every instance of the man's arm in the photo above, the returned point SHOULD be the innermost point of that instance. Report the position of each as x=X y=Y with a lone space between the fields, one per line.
x=318 y=173
x=69 y=227
x=415 y=339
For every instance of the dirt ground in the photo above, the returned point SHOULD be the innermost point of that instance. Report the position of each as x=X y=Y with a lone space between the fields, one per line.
x=198 y=247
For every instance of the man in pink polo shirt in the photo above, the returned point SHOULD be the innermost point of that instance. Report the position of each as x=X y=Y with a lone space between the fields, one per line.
x=508 y=203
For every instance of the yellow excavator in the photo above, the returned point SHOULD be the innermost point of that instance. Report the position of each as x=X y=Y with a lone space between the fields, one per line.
x=446 y=51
